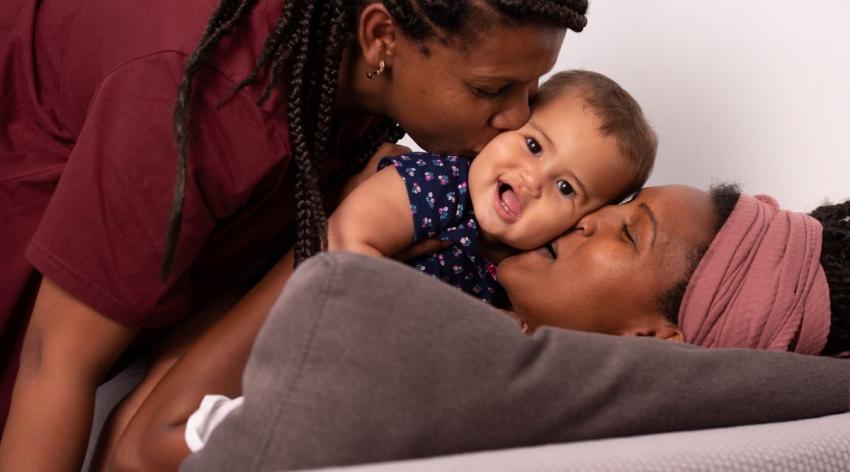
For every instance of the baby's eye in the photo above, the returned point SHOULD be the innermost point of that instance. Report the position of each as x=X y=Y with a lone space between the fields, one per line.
x=533 y=146
x=565 y=188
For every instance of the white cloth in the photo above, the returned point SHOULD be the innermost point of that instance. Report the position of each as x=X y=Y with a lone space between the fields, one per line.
x=213 y=410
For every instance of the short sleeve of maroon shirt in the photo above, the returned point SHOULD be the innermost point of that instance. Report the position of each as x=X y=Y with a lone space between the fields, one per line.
x=102 y=236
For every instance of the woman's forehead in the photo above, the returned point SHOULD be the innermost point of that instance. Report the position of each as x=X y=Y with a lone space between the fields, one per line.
x=684 y=214
x=516 y=54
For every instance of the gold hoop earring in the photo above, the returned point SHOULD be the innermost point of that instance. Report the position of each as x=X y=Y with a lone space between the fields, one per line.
x=380 y=70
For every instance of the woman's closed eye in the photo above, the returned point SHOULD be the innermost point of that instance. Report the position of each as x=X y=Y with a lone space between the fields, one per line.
x=628 y=236
x=490 y=92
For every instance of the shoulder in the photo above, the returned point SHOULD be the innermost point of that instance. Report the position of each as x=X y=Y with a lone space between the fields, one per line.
x=442 y=169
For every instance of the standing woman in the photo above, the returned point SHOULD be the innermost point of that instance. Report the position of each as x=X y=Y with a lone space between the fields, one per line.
x=105 y=104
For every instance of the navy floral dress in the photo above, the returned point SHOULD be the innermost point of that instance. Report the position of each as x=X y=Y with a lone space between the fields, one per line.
x=442 y=209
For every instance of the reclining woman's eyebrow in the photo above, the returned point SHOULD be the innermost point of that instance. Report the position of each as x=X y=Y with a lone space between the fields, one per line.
x=651 y=216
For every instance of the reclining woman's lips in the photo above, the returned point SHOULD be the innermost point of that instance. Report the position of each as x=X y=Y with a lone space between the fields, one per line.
x=548 y=251
x=507 y=203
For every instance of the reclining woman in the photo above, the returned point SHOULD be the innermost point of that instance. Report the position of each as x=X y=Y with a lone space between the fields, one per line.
x=435 y=372
x=625 y=269
x=716 y=269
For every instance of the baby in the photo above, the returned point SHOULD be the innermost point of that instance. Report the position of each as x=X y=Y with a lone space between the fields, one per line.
x=585 y=145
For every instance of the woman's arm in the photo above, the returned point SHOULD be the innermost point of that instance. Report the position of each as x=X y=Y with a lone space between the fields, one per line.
x=153 y=440
x=162 y=356
x=375 y=220
x=67 y=350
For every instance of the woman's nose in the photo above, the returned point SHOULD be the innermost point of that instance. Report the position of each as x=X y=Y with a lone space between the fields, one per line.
x=514 y=115
x=590 y=224
x=606 y=220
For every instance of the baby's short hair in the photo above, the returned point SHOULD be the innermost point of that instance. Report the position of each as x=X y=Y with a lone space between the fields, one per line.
x=621 y=116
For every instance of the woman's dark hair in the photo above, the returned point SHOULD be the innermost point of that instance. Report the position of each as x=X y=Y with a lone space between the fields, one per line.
x=835 y=260
x=303 y=54
x=724 y=197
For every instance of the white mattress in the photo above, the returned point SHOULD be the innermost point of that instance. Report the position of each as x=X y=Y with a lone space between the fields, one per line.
x=812 y=445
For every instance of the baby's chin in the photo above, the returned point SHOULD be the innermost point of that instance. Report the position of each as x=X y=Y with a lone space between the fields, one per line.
x=507 y=236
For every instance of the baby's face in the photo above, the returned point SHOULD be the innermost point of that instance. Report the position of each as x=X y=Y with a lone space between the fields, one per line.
x=530 y=185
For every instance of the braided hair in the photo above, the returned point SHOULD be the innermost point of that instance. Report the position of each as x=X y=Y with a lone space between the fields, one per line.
x=302 y=54
x=835 y=260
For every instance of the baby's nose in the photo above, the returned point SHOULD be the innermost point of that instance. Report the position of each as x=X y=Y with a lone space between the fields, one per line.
x=532 y=184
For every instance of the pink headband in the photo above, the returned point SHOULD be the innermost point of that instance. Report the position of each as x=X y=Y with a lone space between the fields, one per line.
x=760 y=284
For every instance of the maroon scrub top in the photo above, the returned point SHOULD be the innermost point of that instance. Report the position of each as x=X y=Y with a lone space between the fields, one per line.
x=88 y=161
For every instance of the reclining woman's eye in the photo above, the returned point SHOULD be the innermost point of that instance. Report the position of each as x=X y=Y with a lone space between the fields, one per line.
x=533 y=146
x=565 y=188
x=628 y=235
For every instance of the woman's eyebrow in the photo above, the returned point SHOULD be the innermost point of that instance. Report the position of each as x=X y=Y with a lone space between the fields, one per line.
x=651 y=216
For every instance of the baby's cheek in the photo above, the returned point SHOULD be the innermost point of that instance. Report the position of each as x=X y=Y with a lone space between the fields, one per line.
x=551 y=225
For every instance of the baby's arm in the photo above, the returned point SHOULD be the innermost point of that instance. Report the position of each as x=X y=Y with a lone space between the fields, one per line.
x=371 y=168
x=375 y=219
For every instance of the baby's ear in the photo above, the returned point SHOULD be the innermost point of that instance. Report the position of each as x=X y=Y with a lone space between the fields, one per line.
x=657 y=327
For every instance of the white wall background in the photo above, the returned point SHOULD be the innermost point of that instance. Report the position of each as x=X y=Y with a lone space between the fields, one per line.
x=751 y=91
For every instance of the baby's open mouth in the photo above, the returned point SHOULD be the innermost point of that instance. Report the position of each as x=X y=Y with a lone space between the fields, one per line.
x=508 y=201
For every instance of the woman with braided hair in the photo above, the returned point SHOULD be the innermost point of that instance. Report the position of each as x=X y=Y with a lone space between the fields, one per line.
x=154 y=150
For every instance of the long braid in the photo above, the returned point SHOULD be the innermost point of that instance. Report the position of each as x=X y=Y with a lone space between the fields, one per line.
x=283 y=53
x=224 y=18
x=306 y=177
x=282 y=31
x=302 y=55
x=835 y=260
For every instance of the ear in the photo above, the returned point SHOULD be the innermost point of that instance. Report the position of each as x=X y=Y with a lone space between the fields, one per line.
x=377 y=35
x=656 y=326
